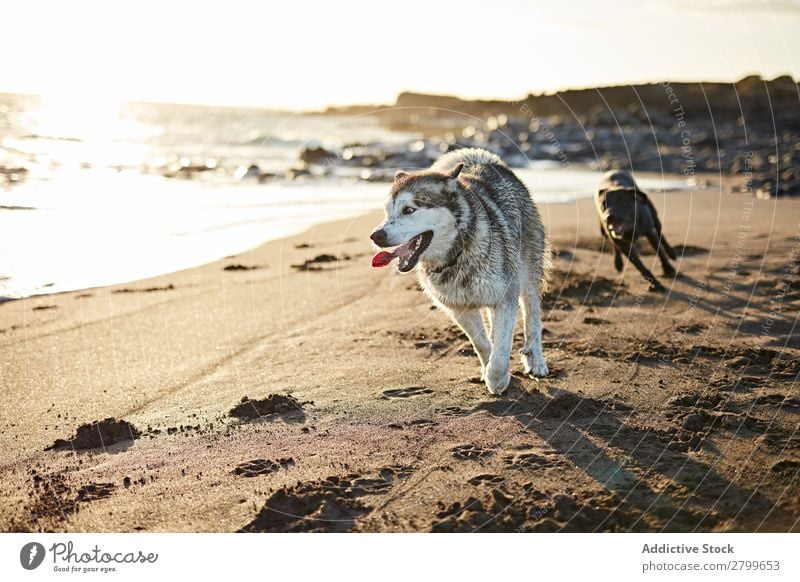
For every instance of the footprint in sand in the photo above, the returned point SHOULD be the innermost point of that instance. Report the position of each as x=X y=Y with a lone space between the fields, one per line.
x=471 y=452
x=94 y=491
x=529 y=460
x=486 y=479
x=691 y=328
x=787 y=466
x=333 y=504
x=452 y=411
x=422 y=422
x=258 y=467
x=782 y=400
x=407 y=392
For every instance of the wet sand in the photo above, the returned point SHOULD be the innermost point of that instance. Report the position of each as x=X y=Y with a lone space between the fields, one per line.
x=294 y=388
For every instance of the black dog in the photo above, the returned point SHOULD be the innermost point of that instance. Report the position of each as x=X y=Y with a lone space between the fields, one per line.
x=626 y=214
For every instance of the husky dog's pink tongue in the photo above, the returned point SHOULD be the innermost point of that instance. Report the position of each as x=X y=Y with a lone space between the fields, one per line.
x=383 y=258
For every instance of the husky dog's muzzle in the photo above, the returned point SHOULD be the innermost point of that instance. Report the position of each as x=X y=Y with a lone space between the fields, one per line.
x=408 y=253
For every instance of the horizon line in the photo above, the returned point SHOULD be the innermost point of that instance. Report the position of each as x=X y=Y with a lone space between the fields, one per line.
x=333 y=106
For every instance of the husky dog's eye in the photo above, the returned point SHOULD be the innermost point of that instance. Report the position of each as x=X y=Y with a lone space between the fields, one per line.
x=409 y=210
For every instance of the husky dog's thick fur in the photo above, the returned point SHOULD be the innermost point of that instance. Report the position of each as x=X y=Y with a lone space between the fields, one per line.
x=470 y=228
x=626 y=214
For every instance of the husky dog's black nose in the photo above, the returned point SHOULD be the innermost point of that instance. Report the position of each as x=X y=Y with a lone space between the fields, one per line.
x=379 y=237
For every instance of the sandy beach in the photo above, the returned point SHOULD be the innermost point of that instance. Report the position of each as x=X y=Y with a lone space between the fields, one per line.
x=294 y=388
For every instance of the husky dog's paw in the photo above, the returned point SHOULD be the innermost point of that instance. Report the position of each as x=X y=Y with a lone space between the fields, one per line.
x=497 y=380
x=539 y=369
x=535 y=366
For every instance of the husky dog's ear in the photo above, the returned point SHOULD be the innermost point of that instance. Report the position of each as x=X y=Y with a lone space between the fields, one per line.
x=400 y=175
x=453 y=174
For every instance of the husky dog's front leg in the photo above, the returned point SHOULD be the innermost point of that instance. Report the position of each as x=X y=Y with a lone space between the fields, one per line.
x=471 y=322
x=497 y=370
x=532 y=357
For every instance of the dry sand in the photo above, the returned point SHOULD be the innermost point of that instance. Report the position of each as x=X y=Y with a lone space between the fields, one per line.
x=670 y=412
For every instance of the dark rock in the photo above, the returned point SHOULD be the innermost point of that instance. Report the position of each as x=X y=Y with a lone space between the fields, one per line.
x=272 y=404
x=98 y=434
x=313 y=264
x=299 y=172
x=315 y=154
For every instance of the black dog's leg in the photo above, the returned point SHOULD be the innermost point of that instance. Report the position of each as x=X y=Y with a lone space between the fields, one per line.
x=606 y=239
x=666 y=246
x=660 y=246
x=617 y=259
x=633 y=256
x=657 y=224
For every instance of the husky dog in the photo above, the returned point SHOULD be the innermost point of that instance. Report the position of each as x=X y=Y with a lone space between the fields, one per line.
x=626 y=214
x=469 y=227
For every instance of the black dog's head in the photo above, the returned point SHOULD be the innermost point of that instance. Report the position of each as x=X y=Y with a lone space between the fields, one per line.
x=619 y=213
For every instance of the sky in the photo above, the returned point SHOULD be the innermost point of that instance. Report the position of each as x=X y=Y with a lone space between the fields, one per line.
x=306 y=54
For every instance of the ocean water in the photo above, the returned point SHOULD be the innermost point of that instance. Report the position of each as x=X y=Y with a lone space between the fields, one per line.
x=85 y=201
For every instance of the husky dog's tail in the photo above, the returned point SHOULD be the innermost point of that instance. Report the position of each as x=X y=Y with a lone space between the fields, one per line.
x=468 y=157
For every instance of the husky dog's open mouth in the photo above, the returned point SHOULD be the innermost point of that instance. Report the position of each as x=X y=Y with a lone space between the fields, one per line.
x=407 y=253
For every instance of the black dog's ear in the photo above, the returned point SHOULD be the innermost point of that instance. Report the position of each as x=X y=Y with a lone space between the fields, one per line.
x=400 y=175
x=453 y=174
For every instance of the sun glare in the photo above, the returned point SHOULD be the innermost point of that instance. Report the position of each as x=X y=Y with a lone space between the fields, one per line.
x=77 y=117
